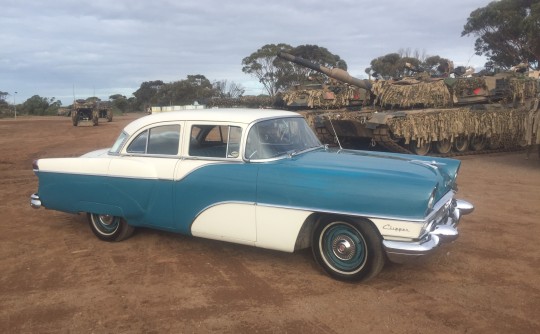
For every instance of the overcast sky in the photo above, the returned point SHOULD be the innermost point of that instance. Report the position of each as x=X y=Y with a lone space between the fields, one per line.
x=101 y=47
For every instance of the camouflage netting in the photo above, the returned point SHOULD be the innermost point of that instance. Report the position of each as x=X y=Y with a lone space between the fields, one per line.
x=508 y=125
x=412 y=93
x=522 y=89
x=319 y=98
x=461 y=86
x=532 y=125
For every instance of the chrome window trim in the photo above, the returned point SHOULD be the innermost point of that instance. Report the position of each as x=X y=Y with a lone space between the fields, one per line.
x=106 y=175
x=123 y=150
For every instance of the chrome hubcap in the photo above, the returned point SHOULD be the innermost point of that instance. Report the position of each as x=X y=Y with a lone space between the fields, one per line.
x=343 y=247
x=106 y=219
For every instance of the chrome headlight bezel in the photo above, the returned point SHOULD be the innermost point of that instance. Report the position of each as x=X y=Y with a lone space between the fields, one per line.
x=431 y=200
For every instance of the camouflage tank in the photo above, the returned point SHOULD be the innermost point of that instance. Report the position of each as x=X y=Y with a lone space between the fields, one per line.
x=424 y=115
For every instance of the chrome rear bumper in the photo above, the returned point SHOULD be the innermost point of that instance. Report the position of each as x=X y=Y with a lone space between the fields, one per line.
x=35 y=202
x=405 y=251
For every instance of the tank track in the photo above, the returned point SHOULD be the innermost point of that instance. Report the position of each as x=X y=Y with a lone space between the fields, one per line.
x=383 y=137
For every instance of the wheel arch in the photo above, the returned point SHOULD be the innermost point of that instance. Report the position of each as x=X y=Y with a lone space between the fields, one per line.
x=305 y=235
x=100 y=208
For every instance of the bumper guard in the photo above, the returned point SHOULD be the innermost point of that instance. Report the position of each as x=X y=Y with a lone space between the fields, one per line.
x=406 y=251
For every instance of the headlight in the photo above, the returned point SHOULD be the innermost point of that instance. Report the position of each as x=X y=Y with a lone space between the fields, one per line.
x=431 y=200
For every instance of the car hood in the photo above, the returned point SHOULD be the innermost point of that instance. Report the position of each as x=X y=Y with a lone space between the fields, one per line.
x=443 y=171
x=381 y=184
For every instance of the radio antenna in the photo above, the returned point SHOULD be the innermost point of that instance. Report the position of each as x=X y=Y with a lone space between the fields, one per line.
x=335 y=133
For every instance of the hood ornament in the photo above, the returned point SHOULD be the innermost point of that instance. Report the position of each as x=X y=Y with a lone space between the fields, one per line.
x=431 y=164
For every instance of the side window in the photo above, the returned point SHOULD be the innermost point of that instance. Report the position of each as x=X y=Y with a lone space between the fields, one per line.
x=164 y=140
x=215 y=141
x=159 y=140
x=138 y=145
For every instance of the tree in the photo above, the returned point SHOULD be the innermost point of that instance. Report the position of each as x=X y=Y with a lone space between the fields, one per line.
x=194 y=88
x=3 y=96
x=294 y=74
x=4 y=106
x=145 y=94
x=405 y=63
x=119 y=102
x=37 y=105
x=277 y=74
x=262 y=65
x=224 y=89
x=387 y=66
x=507 y=31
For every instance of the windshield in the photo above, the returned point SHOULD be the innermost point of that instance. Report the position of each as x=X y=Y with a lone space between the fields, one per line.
x=276 y=137
x=115 y=149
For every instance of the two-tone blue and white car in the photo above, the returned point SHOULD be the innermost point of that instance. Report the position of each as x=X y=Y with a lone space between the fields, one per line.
x=259 y=178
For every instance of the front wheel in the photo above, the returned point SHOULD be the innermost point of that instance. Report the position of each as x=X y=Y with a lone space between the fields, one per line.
x=109 y=228
x=348 y=251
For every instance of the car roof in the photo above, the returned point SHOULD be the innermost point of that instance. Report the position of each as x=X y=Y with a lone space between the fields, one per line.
x=233 y=115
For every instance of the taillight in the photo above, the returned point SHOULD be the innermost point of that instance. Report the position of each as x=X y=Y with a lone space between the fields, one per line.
x=35 y=166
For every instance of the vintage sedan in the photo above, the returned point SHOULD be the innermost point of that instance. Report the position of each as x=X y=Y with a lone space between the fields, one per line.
x=259 y=178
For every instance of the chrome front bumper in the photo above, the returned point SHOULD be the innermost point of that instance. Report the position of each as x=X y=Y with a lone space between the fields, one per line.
x=35 y=202
x=405 y=251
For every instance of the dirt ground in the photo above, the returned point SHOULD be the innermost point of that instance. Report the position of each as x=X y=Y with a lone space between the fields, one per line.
x=57 y=277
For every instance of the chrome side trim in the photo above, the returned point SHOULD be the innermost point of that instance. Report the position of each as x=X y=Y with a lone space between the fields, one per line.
x=344 y=213
x=103 y=175
x=35 y=202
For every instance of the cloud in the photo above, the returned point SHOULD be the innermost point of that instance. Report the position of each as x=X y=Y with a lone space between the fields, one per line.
x=58 y=48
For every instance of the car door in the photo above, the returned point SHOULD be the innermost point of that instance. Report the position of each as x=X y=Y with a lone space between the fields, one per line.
x=142 y=177
x=215 y=190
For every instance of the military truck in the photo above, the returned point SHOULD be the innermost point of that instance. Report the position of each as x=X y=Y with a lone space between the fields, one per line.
x=104 y=110
x=84 y=112
x=424 y=115
x=89 y=111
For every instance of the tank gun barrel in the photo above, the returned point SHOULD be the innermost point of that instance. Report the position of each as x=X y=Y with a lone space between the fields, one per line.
x=335 y=73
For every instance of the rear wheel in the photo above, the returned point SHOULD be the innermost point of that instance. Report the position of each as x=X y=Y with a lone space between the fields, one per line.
x=109 y=228
x=347 y=250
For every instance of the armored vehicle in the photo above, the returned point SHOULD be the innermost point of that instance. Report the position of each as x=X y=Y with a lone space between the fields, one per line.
x=424 y=115
x=89 y=111
x=84 y=111
x=104 y=110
